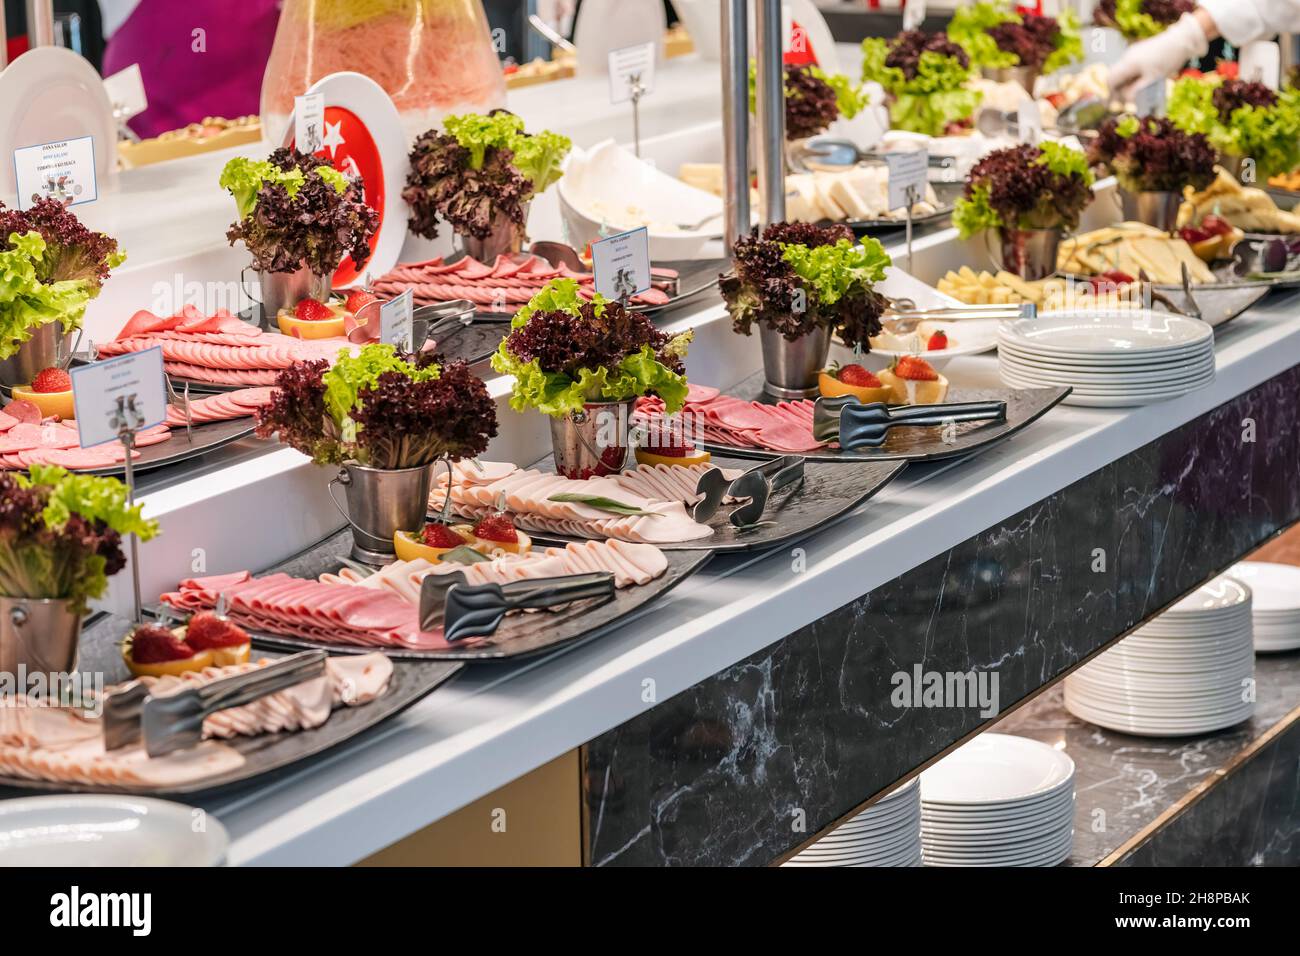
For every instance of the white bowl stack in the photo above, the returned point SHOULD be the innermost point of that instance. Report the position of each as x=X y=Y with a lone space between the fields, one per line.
x=1184 y=672
x=998 y=800
x=888 y=833
x=1275 y=603
x=1109 y=359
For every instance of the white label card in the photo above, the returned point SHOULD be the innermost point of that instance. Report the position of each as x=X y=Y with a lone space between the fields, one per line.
x=907 y=172
x=630 y=68
x=1150 y=100
x=621 y=264
x=1029 y=123
x=308 y=122
x=129 y=390
x=64 y=171
x=126 y=92
x=913 y=14
x=395 y=321
x=1261 y=62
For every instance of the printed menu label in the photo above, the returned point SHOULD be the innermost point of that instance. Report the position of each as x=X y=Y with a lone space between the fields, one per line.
x=129 y=391
x=395 y=321
x=126 y=92
x=907 y=174
x=621 y=264
x=1149 y=100
x=1261 y=62
x=631 y=68
x=1029 y=123
x=64 y=171
x=308 y=122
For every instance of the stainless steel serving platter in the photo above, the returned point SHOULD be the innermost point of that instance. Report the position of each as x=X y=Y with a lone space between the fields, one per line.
x=520 y=635
x=181 y=447
x=262 y=754
x=945 y=193
x=934 y=443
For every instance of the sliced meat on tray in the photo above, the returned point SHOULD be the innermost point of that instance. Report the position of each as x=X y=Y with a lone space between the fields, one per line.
x=785 y=427
x=222 y=407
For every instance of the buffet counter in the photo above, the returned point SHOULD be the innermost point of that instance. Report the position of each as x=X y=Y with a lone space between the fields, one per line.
x=495 y=723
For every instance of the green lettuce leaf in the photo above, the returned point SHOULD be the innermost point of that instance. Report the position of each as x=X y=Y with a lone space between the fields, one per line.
x=1134 y=22
x=1069 y=43
x=26 y=303
x=350 y=374
x=244 y=178
x=932 y=99
x=1269 y=136
x=538 y=157
x=969 y=27
x=558 y=295
x=836 y=271
x=94 y=498
x=974 y=214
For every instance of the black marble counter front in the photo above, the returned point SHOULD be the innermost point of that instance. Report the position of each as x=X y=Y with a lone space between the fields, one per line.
x=751 y=763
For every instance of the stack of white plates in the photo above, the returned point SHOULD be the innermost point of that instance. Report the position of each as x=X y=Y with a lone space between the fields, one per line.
x=1187 y=671
x=1275 y=603
x=1109 y=359
x=888 y=833
x=998 y=801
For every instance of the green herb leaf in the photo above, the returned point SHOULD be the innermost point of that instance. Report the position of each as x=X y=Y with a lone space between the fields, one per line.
x=601 y=504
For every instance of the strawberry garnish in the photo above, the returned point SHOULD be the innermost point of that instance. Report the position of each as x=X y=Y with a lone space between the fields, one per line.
x=916 y=369
x=358 y=299
x=497 y=527
x=439 y=535
x=51 y=380
x=310 y=310
x=206 y=631
x=858 y=377
x=153 y=644
x=937 y=341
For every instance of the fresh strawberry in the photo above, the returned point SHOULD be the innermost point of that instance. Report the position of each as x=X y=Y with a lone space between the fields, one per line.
x=916 y=369
x=51 y=380
x=1216 y=225
x=310 y=310
x=206 y=631
x=497 y=527
x=858 y=377
x=937 y=341
x=439 y=535
x=153 y=644
x=358 y=299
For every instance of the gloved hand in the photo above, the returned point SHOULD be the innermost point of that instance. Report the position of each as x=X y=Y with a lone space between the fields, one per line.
x=556 y=12
x=1163 y=55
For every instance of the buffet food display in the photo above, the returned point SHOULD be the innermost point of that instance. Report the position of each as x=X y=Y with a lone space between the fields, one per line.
x=457 y=555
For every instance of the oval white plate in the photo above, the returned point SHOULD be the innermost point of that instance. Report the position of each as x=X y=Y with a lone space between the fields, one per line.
x=995 y=768
x=1130 y=332
x=77 y=830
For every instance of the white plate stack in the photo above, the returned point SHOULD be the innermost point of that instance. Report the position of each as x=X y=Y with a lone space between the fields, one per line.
x=998 y=801
x=1275 y=603
x=888 y=833
x=1187 y=671
x=1109 y=359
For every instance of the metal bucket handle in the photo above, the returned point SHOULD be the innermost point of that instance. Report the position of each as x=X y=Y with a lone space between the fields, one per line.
x=342 y=478
x=579 y=417
x=444 y=515
x=244 y=287
x=995 y=256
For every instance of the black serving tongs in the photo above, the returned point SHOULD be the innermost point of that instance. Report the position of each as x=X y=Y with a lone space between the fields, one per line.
x=856 y=425
x=475 y=610
x=756 y=485
x=175 y=721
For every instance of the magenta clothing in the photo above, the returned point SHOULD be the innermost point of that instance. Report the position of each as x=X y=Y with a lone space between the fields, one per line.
x=183 y=84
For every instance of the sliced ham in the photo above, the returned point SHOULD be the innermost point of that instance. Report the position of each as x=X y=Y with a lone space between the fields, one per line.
x=785 y=427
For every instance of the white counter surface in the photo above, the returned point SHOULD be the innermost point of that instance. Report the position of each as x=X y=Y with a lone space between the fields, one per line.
x=495 y=723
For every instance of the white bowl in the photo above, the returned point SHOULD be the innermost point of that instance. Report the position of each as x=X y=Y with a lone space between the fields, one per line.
x=600 y=184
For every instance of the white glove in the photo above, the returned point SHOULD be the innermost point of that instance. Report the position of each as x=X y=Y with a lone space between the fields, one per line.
x=1159 y=57
x=555 y=12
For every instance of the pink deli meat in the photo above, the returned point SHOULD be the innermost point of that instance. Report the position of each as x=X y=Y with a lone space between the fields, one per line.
x=785 y=427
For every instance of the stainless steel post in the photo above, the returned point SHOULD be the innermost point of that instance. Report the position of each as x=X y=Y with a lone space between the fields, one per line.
x=735 y=121
x=40 y=23
x=769 y=118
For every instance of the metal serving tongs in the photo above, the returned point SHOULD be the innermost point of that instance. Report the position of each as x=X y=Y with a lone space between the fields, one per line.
x=476 y=610
x=183 y=400
x=427 y=322
x=856 y=425
x=902 y=315
x=756 y=485
x=175 y=721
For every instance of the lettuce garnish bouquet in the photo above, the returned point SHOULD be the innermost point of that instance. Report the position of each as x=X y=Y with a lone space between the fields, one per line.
x=51 y=266
x=381 y=408
x=1152 y=154
x=1140 y=19
x=997 y=36
x=814 y=99
x=565 y=351
x=1025 y=187
x=796 y=278
x=61 y=534
x=296 y=209
x=1240 y=119
x=478 y=168
x=925 y=75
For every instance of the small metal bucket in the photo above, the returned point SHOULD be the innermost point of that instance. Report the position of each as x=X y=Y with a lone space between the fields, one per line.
x=1154 y=208
x=1026 y=76
x=47 y=348
x=593 y=442
x=505 y=238
x=382 y=501
x=1029 y=253
x=279 y=290
x=38 y=634
x=790 y=368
